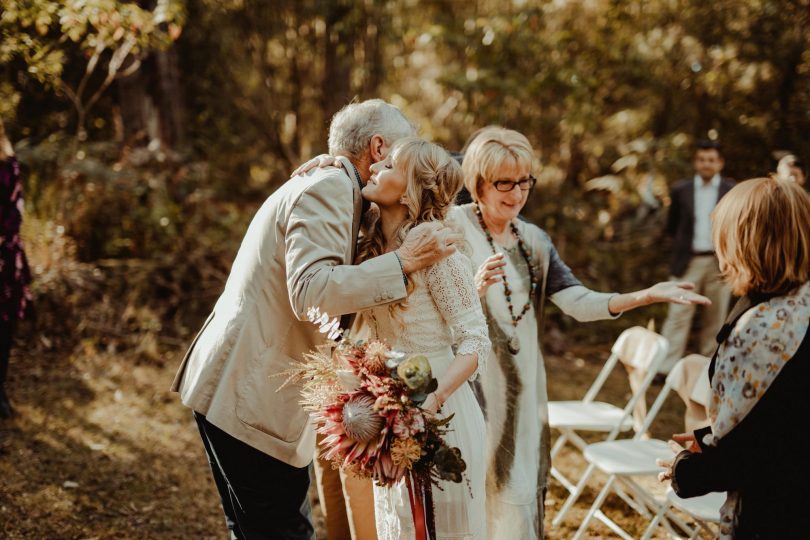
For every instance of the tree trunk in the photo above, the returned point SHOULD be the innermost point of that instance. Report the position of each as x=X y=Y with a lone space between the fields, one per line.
x=338 y=58
x=132 y=98
x=787 y=88
x=171 y=102
x=372 y=51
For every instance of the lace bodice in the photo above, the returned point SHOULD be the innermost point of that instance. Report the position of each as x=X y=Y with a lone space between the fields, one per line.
x=443 y=310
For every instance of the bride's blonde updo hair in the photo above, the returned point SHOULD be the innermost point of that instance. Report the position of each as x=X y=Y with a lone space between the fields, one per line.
x=433 y=179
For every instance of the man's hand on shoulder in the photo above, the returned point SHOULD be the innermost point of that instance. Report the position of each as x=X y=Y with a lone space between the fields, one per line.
x=426 y=244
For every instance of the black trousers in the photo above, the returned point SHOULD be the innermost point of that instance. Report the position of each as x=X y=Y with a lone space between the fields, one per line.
x=263 y=498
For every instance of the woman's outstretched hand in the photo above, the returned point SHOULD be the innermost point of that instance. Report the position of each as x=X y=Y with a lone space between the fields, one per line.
x=489 y=273
x=321 y=161
x=676 y=292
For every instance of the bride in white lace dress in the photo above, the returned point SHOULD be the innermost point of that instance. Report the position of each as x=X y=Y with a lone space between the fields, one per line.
x=442 y=313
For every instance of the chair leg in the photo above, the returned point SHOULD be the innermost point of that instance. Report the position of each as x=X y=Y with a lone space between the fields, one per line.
x=612 y=525
x=559 y=477
x=594 y=507
x=659 y=515
x=639 y=507
x=574 y=495
x=558 y=444
x=664 y=509
x=670 y=517
x=578 y=441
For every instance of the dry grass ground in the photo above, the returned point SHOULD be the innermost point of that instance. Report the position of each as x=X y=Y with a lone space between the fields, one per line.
x=101 y=449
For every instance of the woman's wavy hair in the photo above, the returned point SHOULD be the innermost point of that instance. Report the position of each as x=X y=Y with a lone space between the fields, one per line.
x=761 y=231
x=433 y=180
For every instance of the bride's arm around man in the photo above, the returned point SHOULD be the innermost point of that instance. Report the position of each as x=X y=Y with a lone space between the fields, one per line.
x=297 y=253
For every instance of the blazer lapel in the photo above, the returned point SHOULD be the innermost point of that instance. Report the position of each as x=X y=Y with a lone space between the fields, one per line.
x=725 y=187
x=347 y=320
x=689 y=200
x=358 y=203
x=688 y=208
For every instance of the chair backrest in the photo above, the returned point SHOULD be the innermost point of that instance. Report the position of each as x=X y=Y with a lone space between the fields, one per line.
x=641 y=351
x=690 y=380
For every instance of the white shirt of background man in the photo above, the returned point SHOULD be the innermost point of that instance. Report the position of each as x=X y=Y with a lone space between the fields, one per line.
x=706 y=194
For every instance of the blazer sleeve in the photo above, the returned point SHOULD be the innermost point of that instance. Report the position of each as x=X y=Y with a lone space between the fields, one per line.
x=674 y=212
x=317 y=243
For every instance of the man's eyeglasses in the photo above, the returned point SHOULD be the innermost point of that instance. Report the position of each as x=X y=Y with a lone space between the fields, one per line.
x=525 y=184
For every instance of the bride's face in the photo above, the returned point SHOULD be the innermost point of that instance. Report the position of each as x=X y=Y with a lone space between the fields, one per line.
x=386 y=185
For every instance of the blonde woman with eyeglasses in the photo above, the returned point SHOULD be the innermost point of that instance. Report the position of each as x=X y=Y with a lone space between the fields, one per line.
x=518 y=268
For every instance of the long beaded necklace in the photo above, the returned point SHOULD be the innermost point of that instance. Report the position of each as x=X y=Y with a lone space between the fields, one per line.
x=513 y=344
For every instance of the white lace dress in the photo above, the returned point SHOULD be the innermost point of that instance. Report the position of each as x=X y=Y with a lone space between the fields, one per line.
x=442 y=312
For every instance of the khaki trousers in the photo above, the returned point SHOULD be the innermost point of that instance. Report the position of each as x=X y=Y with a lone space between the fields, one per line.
x=347 y=503
x=704 y=272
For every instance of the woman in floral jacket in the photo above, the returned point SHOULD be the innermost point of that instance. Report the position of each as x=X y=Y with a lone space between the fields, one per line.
x=15 y=276
x=756 y=447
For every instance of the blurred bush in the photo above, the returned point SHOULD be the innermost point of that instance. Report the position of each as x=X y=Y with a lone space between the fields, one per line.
x=128 y=249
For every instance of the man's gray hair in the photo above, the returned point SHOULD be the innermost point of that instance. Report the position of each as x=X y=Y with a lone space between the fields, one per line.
x=354 y=125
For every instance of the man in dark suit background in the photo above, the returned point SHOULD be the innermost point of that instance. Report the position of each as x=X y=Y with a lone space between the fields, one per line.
x=693 y=257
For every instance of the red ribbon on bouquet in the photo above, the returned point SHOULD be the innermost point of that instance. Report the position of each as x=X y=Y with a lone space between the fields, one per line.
x=420 y=495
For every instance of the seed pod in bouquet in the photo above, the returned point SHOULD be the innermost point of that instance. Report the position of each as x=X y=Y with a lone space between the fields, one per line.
x=415 y=372
x=449 y=463
x=360 y=420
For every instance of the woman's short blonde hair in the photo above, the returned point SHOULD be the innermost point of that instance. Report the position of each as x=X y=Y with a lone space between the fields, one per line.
x=490 y=149
x=761 y=231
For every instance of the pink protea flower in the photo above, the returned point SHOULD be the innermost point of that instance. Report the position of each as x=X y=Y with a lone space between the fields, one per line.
x=360 y=419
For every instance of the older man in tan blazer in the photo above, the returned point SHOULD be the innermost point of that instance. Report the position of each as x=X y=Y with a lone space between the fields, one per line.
x=297 y=253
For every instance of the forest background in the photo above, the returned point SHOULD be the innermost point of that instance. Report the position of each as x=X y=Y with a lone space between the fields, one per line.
x=150 y=131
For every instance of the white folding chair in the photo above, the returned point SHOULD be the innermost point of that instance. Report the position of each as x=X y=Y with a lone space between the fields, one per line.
x=640 y=351
x=624 y=459
x=690 y=380
x=705 y=510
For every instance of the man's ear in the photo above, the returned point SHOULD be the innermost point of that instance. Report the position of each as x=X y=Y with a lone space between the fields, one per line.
x=377 y=148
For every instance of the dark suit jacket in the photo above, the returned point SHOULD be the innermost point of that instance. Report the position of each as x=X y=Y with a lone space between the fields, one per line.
x=681 y=221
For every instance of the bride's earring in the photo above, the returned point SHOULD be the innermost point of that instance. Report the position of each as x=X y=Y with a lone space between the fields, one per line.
x=403 y=200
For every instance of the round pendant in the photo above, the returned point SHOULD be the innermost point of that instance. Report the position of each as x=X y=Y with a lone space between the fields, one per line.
x=513 y=344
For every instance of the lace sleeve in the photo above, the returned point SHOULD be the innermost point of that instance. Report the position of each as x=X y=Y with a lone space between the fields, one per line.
x=451 y=285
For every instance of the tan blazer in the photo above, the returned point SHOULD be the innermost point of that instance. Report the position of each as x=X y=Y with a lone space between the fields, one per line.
x=296 y=254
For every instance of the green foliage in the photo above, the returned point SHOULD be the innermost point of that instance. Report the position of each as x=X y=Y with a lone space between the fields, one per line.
x=612 y=94
x=47 y=35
